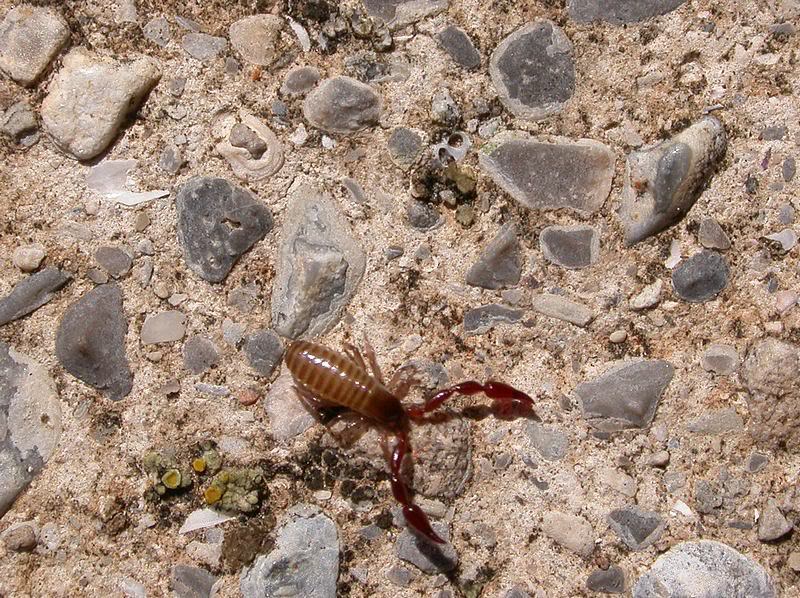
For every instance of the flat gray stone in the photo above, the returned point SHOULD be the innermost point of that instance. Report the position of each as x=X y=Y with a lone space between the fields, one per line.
x=533 y=70
x=30 y=37
x=305 y=561
x=257 y=38
x=31 y=293
x=570 y=531
x=663 y=181
x=701 y=277
x=199 y=354
x=425 y=555
x=84 y=124
x=772 y=525
x=711 y=235
x=300 y=80
x=499 y=265
x=549 y=176
x=607 y=581
x=319 y=266
x=90 y=341
x=704 y=569
x=482 y=319
x=30 y=422
x=459 y=46
x=191 y=582
x=620 y=11
x=113 y=260
x=551 y=443
x=720 y=359
x=572 y=247
x=264 y=351
x=158 y=31
x=561 y=308
x=163 y=327
x=342 y=105
x=716 y=422
x=422 y=216
x=203 y=47
x=400 y=13
x=217 y=223
x=626 y=396
x=20 y=124
x=405 y=146
x=287 y=415
x=636 y=527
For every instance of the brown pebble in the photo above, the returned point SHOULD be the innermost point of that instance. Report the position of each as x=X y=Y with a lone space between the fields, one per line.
x=142 y=222
x=21 y=538
x=248 y=396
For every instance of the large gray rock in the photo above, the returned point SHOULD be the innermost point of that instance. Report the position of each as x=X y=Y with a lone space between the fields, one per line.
x=90 y=341
x=217 y=223
x=31 y=293
x=30 y=37
x=319 y=266
x=533 y=70
x=663 y=182
x=548 y=176
x=704 y=569
x=305 y=561
x=342 y=105
x=626 y=396
x=30 y=422
x=499 y=265
x=572 y=247
x=620 y=11
x=90 y=98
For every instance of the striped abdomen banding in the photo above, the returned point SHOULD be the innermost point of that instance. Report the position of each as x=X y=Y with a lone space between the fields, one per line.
x=334 y=378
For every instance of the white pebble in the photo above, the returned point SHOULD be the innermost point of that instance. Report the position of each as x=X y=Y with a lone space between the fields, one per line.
x=618 y=336
x=29 y=257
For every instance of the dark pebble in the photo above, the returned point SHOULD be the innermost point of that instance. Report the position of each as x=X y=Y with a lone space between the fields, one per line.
x=701 y=277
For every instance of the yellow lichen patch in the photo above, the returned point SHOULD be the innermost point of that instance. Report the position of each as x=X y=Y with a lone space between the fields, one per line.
x=171 y=479
x=212 y=494
x=199 y=465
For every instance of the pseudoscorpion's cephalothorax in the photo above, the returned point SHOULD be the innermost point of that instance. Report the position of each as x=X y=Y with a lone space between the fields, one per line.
x=325 y=378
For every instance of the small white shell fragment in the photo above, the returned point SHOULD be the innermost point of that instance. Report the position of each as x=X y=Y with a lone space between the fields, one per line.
x=674 y=254
x=110 y=178
x=202 y=518
x=242 y=163
x=787 y=238
x=682 y=508
x=301 y=33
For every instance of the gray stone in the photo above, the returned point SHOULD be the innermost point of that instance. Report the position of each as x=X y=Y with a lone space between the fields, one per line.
x=533 y=70
x=300 y=80
x=460 y=47
x=217 y=223
x=19 y=123
x=243 y=136
x=442 y=457
x=30 y=37
x=551 y=443
x=711 y=235
x=707 y=497
x=342 y=105
x=171 y=159
x=425 y=555
x=636 y=527
x=97 y=276
x=158 y=31
x=84 y=124
x=701 y=277
x=626 y=396
x=561 y=308
x=607 y=581
x=305 y=561
x=480 y=320
x=659 y=459
x=163 y=327
x=720 y=359
x=662 y=182
x=756 y=462
x=572 y=247
x=772 y=525
x=399 y=576
x=788 y=169
x=199 y=354
x=716 y=422
x=444 y=109
x=422 y=215
x=704 y=569
x=319 y=266
x=191 y=582
x=203 y=47
x=30 y=422
x=549 y=176
x=773 y=133
x=31 y=293
x=616 y=480
x=264 y=351
x=20 y=537
x=113 y=260
x=499 y=265
x=570 y=531
x=257 y=37
x=400 y=13
x=90 y=341
x=620 y=11
x=287 y=415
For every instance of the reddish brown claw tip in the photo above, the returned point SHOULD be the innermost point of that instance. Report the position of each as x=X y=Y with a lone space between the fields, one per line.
x=417 y=520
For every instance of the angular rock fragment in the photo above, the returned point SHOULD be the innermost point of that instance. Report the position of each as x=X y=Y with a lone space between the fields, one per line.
x=459 y=46
x=113 y=260
x=264 y=351
x=203 y=47
x=720 y=359
x=663 y=182
x=217 y=223
x=701 y=278
x=533 y=70
x=90 y=98
x=191 y=582
x=772 y=525
x=607 y=581
x=158 y=31
x=256 y=38
x=30 y=37
x=636 y=527
x=319 y=267
x=571 y=531
x=405 y=146
x=481 y=319
x=560 y=308
x=423 y=554
x=549 y=176
x=422 y=215
x=572 y=247
x=626 y=396
x=620 y=11
x=199 y=354
x=305 y=560
x=342 y=105
x=90 y=341
x=287 y=415
x=20 y=124
x=716 y=422
x=400 y=13
x=711 y=235
x=551 y=443
x=30 y=422
x=31 y=293
x=163 y=327
x=704 y=569
x=499 y=265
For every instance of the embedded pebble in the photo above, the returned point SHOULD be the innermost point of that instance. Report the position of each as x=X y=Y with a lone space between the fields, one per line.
x=29 y=257
x=560 y=308
x=533 y=70
x=342 y=105
x=171 y=160
x=31 y=293
x=459 y=46
x=256 y=38
x=30 y=424
x=720 y=359
x=399 y=576
x=787 y=238
x=716 y=422
x=90 y=341
x=84 y=124
x=618 y=336
x=430 y=558
x=20 y=537
x=163 y=327
x=701 y=277
x=616 y=480
x=625 y=396
x=499 y=265
x=264 y=351
x=203 y=47
x=405 y=146
x=113 y=260
x=191 y=582
x=548 y=176
x=756 y=462
x=287 y=415
x=711 y=235
x=648 y=297
x=551 y=443
x=772 y=524
x=158 y=31
x=199 y=354
x=620 y=11
x=570 y=531
x=480 y=320
x=785 y=300
x=300 y=80
x=572 y=247
x=636 y=527
x=607 y=581
x=444 y=109
x=217 y=223
x=788 y=169
x=30 y=38
x=20 y=124
x=422 y=216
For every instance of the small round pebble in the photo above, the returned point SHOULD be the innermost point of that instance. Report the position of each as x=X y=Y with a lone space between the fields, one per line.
x=29 y=257
x=618 y=336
